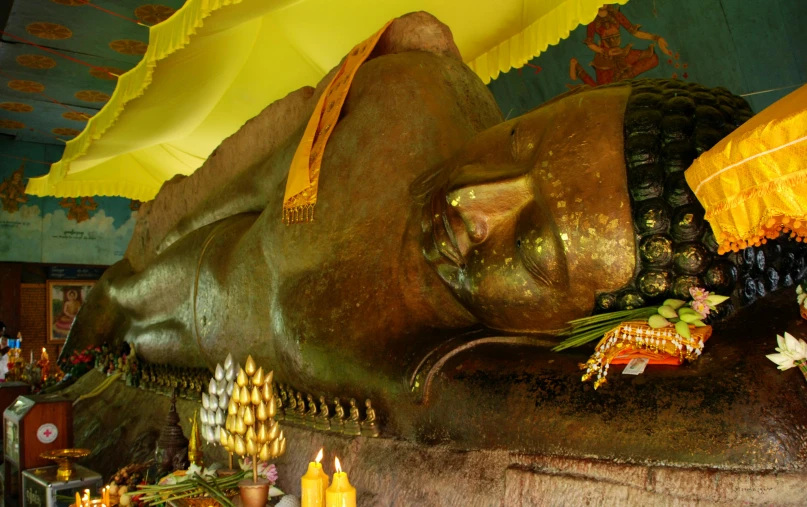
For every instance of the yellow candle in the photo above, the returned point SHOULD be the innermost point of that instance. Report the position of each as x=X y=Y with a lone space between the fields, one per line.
x=340 y=493
x=314 y=483
x=106 y=496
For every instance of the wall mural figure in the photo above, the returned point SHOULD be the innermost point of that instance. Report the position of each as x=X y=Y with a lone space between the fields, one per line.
x=613 y=61
x=79 y=208
x=12 y=191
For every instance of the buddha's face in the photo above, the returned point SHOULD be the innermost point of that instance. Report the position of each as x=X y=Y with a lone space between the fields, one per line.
x=533 y=217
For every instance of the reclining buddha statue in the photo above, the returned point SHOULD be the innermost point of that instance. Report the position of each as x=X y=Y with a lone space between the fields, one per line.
x=449 y=246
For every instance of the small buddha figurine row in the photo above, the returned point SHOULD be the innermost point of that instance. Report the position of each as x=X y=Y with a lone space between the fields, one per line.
x=189 y=383
x=322 y=415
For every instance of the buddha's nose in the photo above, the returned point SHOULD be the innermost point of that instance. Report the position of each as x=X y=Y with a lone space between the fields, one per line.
x=478 y=207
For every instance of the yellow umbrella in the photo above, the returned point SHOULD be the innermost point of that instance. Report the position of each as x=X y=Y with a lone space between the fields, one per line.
x=753 y=183
x=217 y=63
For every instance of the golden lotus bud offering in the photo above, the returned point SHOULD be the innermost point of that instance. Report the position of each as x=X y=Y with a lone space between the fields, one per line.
x=264 y=454
x=241 y=379
x=272 y=408
x=249 y=417
x=263 y=434
x=257 y=379
x=240 y=448
x=250 y=366
x=261 y=413
x=251 y=413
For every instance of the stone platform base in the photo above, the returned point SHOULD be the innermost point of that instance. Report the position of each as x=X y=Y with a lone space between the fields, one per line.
x=121 y=425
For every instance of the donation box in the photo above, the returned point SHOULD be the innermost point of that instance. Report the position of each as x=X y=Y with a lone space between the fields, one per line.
x=41 y=487
x=9 y=392
x=33 y=424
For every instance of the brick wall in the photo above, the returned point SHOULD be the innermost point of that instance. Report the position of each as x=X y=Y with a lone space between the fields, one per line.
x=34 y=321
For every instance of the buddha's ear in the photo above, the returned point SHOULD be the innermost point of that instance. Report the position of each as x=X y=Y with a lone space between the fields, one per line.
x=417 y=31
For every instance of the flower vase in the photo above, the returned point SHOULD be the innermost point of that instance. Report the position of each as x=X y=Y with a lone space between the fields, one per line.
x=254 y=494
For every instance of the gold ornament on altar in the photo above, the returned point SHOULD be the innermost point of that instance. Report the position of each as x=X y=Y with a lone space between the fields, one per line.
x=253 y=430
x=65 y=458
x=195 y=453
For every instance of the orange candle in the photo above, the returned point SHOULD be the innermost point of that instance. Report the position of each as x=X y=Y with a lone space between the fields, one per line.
x=78 y=497
x=314 y=483
x=340 y=493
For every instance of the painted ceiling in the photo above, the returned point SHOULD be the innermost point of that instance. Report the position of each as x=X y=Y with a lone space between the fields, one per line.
x=47 y=93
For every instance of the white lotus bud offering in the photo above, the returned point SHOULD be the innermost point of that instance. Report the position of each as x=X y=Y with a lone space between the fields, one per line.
x=214 y=402
x=221 y=387
x=212 y=387
x=210 y=435
x=219 y=418
x=230 y=374
x=219 y=373
x=230 y=386
x=205 y=401
x=228 y=363
x=203 y=417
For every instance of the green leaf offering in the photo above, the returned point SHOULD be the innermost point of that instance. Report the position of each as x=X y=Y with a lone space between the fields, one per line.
x=690 y=317
x=683 y=329
x=674 y=303
x=657 y=322
x=667 y=312
x=715 y=299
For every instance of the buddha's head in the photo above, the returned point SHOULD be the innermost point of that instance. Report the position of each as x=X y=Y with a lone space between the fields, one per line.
x=581 y=206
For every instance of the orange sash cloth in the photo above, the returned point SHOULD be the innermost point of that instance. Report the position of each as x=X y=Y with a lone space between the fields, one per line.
x=303 y=181
x=627 y=355
x=655 y=357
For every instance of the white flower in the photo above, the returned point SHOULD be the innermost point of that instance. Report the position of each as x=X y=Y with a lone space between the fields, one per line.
x=790 y=351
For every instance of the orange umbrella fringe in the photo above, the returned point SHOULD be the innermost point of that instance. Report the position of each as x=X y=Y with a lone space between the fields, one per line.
x=774 y=227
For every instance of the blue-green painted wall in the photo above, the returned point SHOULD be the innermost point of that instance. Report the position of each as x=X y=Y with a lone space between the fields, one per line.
x=746 y=46
x=40 y=229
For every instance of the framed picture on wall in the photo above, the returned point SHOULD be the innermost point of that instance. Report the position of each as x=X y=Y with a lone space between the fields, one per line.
x=65 y=298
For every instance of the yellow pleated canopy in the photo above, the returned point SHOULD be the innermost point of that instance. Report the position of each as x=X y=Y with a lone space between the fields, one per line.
x=753 y=183
x=217 y=63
